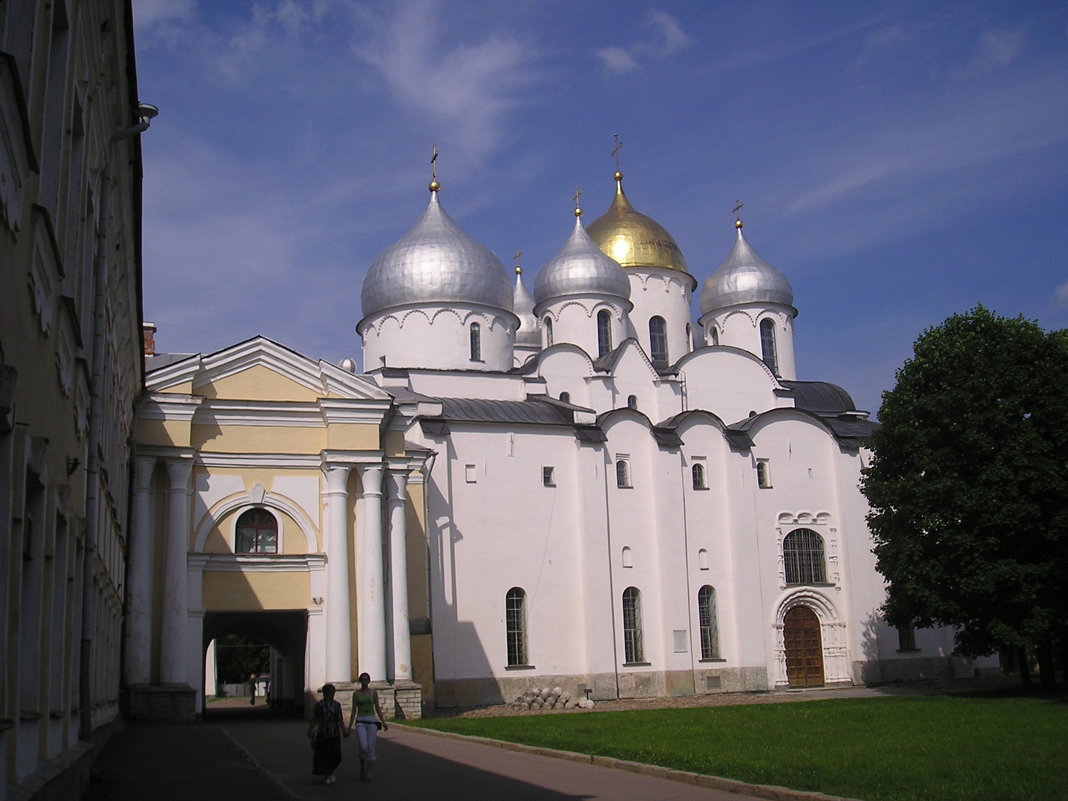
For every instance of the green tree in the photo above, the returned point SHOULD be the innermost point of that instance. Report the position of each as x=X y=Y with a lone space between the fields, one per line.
x=237 y=657
x=968 y=486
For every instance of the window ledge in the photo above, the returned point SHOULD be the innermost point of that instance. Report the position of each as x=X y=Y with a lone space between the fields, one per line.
x=909 y=650
x=519 y=667
x=637 y=664
x=810 y=584
x=713 y=659
x=701 y=489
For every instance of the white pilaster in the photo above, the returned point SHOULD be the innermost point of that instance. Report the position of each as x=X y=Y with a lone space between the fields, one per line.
x=338 y=617
x=173 y=657
x=398 y=536
x=371 y=606
x=139 y=576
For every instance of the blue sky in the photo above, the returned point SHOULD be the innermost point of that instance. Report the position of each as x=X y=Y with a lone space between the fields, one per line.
x=898 y=161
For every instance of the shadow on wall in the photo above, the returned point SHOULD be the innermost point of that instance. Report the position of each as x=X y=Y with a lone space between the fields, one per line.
x=456 y=643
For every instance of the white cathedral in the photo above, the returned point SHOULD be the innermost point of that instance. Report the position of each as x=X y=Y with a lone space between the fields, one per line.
x=579 y=487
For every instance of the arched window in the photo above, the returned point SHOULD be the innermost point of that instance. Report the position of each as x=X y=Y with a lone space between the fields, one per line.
x=632 y=402
x=633 y=648
x=604 y=332
x=763 y=473
x=548 y=332
x=697 y=472
x=658 y=347
x=767 y=344
x=476 y=342
x=622 y=473
x=689 y=338
x=713 y=336
x=802 y=554
x=257 y=532
x=706 y=613
x=515 y=611
x=627 y=557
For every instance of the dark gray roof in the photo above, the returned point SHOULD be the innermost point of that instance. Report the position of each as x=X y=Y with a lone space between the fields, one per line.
x=820 y=397
x=530 y=412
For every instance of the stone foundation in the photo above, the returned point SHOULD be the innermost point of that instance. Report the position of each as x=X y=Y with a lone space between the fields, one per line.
x=602 y=686
x=175 y=703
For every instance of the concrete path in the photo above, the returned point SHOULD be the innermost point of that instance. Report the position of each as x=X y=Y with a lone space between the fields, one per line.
x=414 y=765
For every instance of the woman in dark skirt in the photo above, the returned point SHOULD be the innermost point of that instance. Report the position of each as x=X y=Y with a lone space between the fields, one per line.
x=325 y=731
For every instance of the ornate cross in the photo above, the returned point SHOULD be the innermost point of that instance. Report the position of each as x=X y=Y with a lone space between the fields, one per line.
x=616 y=149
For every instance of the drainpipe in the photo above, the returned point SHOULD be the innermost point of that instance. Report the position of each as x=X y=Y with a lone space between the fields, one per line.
x=145 y=114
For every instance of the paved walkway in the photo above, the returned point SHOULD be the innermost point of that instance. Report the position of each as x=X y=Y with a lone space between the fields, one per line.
x=241 y=754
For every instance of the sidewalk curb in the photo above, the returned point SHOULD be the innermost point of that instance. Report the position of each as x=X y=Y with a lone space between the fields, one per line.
x=768 y=791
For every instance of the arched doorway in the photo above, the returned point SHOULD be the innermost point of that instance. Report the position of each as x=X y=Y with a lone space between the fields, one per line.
x=804 y=648
x=286 y=634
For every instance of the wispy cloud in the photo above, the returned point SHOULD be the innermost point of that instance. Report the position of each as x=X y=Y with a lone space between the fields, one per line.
x=1060 y=296
x=471 y=86
x=148 y=13
x=617 y=60
x=995 y=49
x=663 y=36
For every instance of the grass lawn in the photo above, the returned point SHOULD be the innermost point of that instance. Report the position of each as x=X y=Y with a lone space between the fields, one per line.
x=935 y=748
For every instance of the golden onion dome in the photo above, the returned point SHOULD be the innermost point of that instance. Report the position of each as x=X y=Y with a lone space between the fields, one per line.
x=633 y=239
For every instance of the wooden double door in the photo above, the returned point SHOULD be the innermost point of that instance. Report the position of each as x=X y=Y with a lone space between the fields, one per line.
x=804 y=648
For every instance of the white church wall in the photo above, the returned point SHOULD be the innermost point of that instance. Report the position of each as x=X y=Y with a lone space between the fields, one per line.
x=661 y=293
x=438 y=337
x=574 y=321
x=510 y=530
x=728 y=386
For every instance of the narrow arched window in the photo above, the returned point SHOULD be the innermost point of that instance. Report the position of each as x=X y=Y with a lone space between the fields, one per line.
x=709 y=625
x=257 y=532
x=548 y=332
x=604 y=332
x=622 y=473
x=802 y=555
x=633 y=647
x=515 y=606
x=713 y=336
x=632 y=402
x=658 y=347
x=476 y=342
x=767 y=345
x=689 y=338
x=697 y=473
x=763 y=471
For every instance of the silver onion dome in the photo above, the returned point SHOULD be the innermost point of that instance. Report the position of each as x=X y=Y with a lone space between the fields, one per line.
x=744 y=278
x=581 y=268
x=435 y=262
x=523 y=306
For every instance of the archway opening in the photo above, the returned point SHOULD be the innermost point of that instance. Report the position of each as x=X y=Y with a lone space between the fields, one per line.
x=269 y=646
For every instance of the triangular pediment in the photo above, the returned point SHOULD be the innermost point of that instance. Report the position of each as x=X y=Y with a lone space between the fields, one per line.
x=260 y=369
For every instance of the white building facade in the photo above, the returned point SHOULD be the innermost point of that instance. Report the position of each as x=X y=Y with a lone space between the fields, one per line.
x=583 y=487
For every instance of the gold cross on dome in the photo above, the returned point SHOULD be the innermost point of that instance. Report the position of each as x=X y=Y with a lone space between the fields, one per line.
x=433 y=166
x=617 y=148
x=737 y=208
x=575 y=197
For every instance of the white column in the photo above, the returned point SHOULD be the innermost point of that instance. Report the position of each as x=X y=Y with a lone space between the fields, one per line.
x=371 y=606
x=398 y=535
x=172 y=656
x=139 y=576
x=336 y=545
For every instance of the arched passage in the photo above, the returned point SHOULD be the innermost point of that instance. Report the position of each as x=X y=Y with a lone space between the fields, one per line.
x=804 y=647
x=285 y=632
